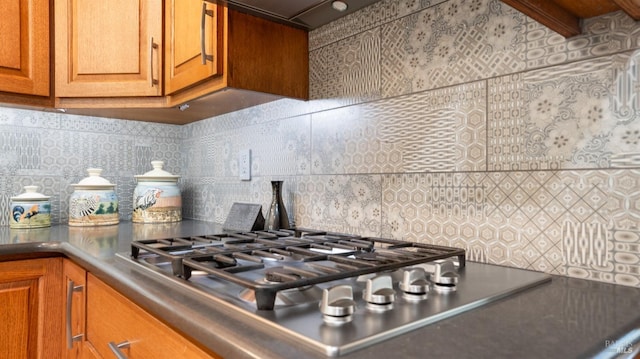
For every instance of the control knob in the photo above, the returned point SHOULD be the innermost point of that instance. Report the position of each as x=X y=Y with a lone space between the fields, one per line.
x=443 y=274
x=337 y=305
x=414 y=284
x=379 y=293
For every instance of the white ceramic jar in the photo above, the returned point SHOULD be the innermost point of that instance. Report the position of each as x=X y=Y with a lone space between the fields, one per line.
x=94 y=201
x=30 y=209
x=157 y=198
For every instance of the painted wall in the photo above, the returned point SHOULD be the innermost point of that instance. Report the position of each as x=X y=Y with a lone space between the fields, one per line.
x=454 y=122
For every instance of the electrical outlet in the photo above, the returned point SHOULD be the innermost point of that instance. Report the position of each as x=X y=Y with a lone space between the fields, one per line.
x=244 y=165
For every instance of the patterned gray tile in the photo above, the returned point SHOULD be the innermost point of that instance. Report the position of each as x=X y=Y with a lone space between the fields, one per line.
x=354 y=23
x=26 y=118
x=339 y=203
x=441 y=130
x=348 y=70
x=365 y=19
x=626 y=255
x=20 y=149
x=555 y=222
x=279 y=147
x=124 y=190
x=275 y=110
x=569 y=116
x=603 y=35
x=436 y=203
x=623 y=205
x=112 y=126
x=433 y=48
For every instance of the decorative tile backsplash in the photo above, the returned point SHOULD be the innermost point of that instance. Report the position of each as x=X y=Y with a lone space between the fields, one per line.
x=53 y=151
x=456 y=122
x=357 y=78
x=466 y=123
x=571 y=116
x=440 y=130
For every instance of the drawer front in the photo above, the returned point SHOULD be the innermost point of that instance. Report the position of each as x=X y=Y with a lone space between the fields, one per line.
x=113 y=319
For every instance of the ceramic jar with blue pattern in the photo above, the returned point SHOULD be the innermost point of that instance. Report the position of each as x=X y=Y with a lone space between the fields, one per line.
x=94 y=201
x=157 y=198
x=30 y=209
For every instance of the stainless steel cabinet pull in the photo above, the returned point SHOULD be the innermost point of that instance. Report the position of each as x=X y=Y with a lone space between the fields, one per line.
x=153 y=46
x=203 y=48
x=71 y=287
x=115 y=348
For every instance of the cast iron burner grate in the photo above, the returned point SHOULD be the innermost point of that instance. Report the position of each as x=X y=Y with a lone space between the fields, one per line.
x=287 y=259
x=174 y=250
x=326 y=258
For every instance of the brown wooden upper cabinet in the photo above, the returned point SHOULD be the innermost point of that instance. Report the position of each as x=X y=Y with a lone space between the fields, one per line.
x=115 y=48
x=258 y=61
x=192 y=48
x=108 y=48
x=109 y=59
x=172 y=61
x=24 y=35
x=211 y=48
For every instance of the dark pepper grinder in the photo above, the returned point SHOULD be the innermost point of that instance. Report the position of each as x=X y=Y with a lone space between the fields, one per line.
x=277 y=215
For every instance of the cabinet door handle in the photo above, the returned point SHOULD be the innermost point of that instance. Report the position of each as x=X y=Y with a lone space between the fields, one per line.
x=71 y=287
x=203 y=48
x=152 y=47
x=115 y=348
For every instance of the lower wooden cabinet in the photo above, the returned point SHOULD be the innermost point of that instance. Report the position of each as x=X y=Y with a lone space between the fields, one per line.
x=114 y=323
x=30 y=308
x=53 y=308
x=75 y=289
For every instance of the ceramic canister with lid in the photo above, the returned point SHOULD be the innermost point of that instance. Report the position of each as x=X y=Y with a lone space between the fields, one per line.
x=30 y=209
x=157 y=198
x=94 y=201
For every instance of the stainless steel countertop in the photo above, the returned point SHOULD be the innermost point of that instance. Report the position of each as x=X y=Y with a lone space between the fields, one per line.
x=568 y=318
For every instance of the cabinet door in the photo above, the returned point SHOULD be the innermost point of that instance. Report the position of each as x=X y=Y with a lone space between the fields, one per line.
x=193 y=31
x=114 y=321
x=108 y=48
x=24 y=58
x=30 y=308
x=75 y=285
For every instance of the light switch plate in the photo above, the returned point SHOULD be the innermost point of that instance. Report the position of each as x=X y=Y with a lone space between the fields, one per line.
x=244 y=165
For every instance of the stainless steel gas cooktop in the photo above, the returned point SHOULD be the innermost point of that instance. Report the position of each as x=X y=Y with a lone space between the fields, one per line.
x=333 y=292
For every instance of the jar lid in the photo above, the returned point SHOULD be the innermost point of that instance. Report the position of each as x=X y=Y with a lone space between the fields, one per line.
x=94 y=181
x=157 y=174
x=30 y=194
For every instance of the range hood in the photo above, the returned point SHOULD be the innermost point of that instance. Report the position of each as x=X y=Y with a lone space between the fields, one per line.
x=306 y=14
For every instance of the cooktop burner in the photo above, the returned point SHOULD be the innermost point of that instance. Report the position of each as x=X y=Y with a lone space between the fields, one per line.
x=333 y=292
x=269 y=262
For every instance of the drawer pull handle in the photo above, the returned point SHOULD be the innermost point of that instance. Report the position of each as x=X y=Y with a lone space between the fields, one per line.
x=115 y=348
x=70 y=337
